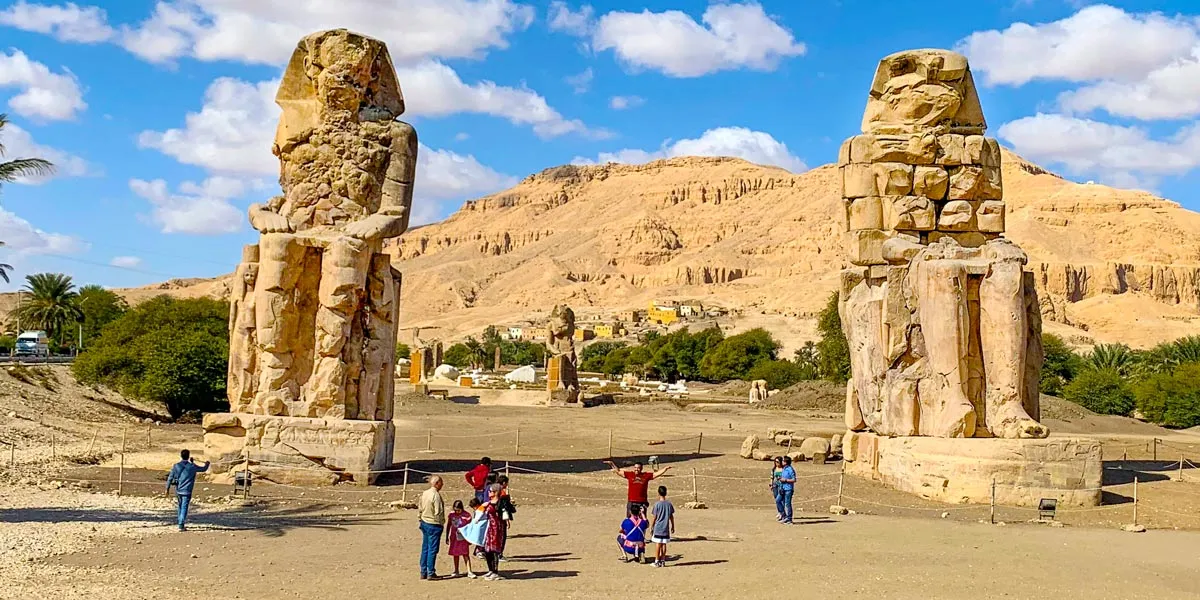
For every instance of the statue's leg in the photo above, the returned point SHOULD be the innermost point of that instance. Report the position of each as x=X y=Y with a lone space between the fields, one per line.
x=1003 y=329
x=945 y=323
x=340 y=293
x=379 y=337
x=276 y=317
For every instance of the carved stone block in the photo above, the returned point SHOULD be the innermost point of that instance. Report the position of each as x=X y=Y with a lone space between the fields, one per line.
x=909 y=149
x=931 y=182
x=975 y=183
x=865 y=213
x=990 y=216
x=909 y=213
x=864 y=247
x=957 y=215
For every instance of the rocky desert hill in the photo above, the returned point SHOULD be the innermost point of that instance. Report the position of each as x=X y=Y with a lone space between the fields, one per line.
x=1112 y=264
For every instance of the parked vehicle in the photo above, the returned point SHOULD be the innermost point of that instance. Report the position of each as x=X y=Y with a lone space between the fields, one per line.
x=33 y=343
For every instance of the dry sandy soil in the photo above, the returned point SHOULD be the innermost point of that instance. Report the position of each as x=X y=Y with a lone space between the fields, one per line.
x=78 y=540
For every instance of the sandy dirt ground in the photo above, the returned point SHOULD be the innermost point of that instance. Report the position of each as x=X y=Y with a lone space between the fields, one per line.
x=64 y=533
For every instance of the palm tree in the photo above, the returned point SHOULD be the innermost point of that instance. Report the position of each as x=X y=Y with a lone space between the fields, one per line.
x=53 y=304
x=4 y=268
x=1119 y=358
x=478 y=352
x=21 y=167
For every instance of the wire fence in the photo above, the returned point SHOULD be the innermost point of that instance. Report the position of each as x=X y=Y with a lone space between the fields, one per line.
x=714 y=485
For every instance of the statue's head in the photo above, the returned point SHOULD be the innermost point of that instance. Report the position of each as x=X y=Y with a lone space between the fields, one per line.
x=562 y=321
x=250 y=275
x=337 y=75
x=915 y=91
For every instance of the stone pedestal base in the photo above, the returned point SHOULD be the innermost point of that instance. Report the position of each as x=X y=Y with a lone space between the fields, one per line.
x=958 y=470
x=299 y=450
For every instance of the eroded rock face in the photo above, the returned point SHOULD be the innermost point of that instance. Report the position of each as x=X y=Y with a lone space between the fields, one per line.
x=943 y=322
x=314 y=311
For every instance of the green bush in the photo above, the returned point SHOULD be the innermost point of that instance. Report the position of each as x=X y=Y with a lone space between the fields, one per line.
x=403 y=351
x=592 y=357
x=735 y=356
x=832 y=351
x=1103 y=391
x=1059 y=366
x=167 y=350
x=780 y=373
x=1171 y=399
x=458 y=355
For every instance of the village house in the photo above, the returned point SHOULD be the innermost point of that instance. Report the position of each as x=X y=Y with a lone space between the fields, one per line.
x=662 y=313
x=691 y=308
x=632 y=316
x=583 y=334
x=609 y=331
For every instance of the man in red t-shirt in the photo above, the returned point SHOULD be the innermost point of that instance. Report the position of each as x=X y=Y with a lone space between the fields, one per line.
x=639 y=481
x=477 y=478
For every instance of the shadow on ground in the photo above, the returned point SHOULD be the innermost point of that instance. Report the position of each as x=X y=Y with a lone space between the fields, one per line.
x=271 y=522
x=561 y=466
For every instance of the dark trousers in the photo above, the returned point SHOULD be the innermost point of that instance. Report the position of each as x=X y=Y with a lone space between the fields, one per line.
x=493 y=561
x=431 y=539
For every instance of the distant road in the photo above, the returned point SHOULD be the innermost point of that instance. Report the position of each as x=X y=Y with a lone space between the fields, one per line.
x=37 y=360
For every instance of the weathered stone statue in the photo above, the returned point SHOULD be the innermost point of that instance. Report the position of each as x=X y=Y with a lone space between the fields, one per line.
x=943 y=325
x=562 y=378
x=313 y=330
x=758 y=391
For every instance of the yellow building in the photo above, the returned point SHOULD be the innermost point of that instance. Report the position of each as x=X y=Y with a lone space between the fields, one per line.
x=632 y=316
x=536 y=333
x=583 y=335
x=610 y=330
x=662 y=314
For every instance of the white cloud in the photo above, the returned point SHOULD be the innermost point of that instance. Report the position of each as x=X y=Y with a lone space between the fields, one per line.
x=1098 y=42
x=462 y=136
x=43 y=94
x=232 y=133
x=126 y=262
x=67 y=22
x=732 y=36
x=197 y=208
x=580 y=82
x=266 y=31
x=1125 y=156
x=18 y=143
x=23 y=238
x=754 y=146
x=625 y=102
x=444 y=175
x=561 y=18
x=1168 y=92
x=433 y=89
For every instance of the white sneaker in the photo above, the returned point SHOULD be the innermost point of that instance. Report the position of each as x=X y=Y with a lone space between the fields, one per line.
x=471 y=575
x=491 y=577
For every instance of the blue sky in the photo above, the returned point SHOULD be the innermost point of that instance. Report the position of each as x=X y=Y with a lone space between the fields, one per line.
x=160 y=114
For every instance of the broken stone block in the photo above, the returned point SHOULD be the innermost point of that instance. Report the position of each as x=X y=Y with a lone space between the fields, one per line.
x=931 y=182
x=749 y=445
x=982 y=151
x=975 y=183
x=814 y=447
x=909 y=213
x=835 y=445
x=956 y=215
x=865 y=247
x=865 y=213
x=952 y=150
x=892 y=179
x=774 y=431
x=761 y=455
x=990 y=216
x=858 y=180
x=908 y=149
x=844 y=152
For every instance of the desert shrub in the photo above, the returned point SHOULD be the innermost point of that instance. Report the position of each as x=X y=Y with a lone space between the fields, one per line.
x=1171 y=399
x=1059 y=366
x=781 y=373
x=735 y=356
x=166 y=350
x=832 y=351
x=1103 y=391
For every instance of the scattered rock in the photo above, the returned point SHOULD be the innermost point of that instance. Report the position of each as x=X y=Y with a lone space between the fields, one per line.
x=695 y=505
x=1134 y=528
x=838 y=509
x=835 y=445
x=758 y=454
x=775 y=431
x=814 y=446
x=402 y=505
x=749 y=445
x=945 y=515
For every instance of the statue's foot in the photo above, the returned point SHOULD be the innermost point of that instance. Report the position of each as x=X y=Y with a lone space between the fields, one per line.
x=957 y=420
x=1012 y=422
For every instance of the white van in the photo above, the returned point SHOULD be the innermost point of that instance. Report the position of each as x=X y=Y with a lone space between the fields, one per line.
x=33 y=343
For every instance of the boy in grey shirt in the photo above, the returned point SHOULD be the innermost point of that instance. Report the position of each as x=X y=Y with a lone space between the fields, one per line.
x=662 y=525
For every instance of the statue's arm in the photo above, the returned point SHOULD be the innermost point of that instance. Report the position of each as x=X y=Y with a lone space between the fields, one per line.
x=266 y=219
x=391 y=219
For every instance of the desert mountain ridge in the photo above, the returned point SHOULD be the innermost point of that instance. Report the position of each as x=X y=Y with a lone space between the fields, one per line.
x=1111 y=264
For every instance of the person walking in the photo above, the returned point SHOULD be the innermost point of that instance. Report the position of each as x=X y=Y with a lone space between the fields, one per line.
x=662 y=526
x=493 y=537
x=787 y=486
x=776 y=471
x=183 y=477
x=431 y=514
x=477 y=478
x=639 y=484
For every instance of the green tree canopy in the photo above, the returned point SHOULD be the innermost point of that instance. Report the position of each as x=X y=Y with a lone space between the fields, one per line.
x=781 y=373
x=1171 y=399
x=1059 y=366
x=99 y=307
x=1103 y=391
x=167 y=350
x=832 y=351
x=734 y=356
x=592 y=356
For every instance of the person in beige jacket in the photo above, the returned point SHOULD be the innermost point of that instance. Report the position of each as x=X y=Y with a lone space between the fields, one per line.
x=431 y=513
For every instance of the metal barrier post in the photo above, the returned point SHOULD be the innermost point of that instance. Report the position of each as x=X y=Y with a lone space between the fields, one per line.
x=121 y=469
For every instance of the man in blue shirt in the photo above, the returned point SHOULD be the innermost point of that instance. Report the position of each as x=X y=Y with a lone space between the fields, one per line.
x=787 y=486
x=183 y=477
